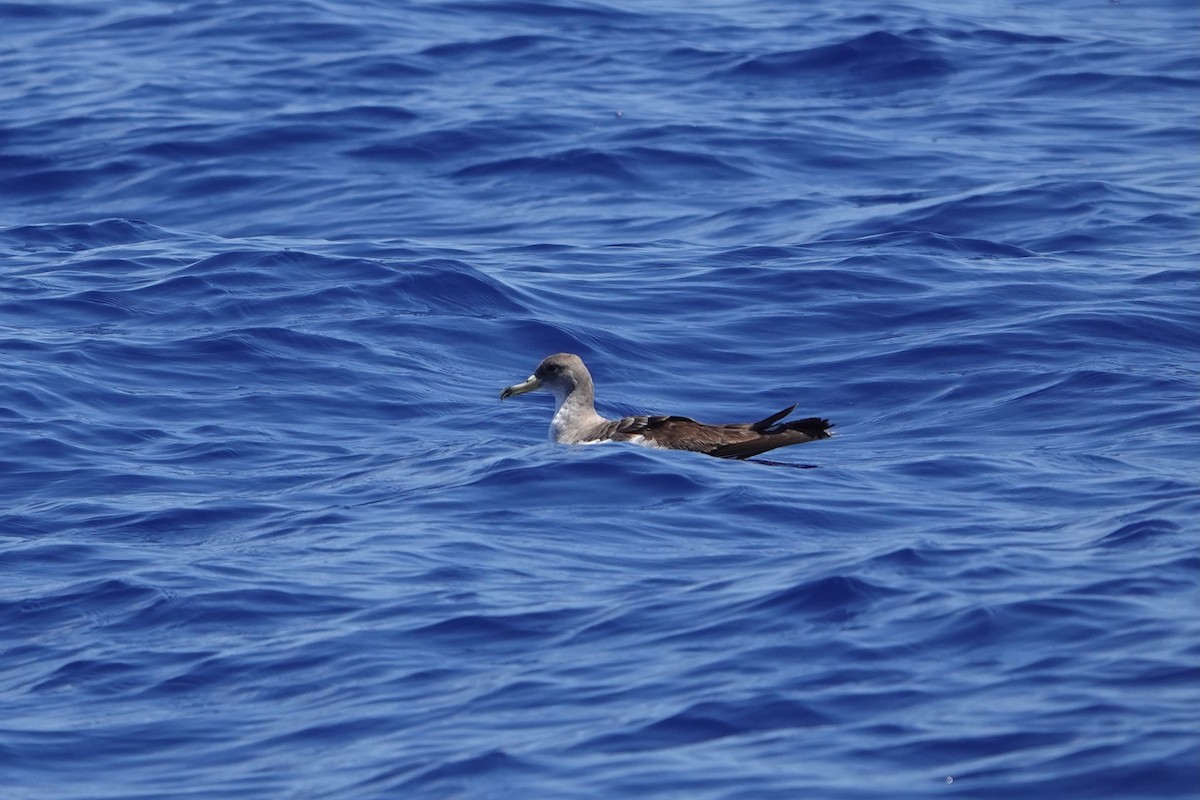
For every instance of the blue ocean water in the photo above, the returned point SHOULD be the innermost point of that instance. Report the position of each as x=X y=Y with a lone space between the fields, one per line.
x=267 y=532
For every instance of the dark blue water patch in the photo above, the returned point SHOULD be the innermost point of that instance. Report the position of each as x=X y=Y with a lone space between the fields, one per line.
x=60 y=182
x=25 y=163
x=94 y=600
x=505 y=47
x=1100 y=83
x=1005 y=37
x=697 y=58
x=181 y=523
x=495 y=769
x=541 y=9
x=245 y=610
x=573 y=165
x=101 y=677
x=236 y=285
x=562 y=479
x=1138 y=533
x=872 y=63
x=707 y=721
x=1133 y=325
x=217 y=184
x=378 y=67
x=919 y=240
x=32 y=11
x=835 y=598
x=276 y=138
x=1092 y=770
x=75 y=237
x=483 y=631
x=997 y=211
x=441 y=145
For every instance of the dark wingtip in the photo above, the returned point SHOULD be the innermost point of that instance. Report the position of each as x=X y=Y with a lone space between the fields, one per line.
x=813 y=426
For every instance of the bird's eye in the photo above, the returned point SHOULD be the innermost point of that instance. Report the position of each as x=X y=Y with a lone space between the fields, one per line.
x=552 y=368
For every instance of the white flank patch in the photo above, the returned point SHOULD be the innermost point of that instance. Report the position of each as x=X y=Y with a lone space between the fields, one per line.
x=644 y=442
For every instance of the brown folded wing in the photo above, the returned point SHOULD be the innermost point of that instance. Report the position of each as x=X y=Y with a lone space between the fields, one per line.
x=739 y=440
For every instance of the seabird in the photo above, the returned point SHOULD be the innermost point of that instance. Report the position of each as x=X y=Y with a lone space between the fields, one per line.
x=576 y=421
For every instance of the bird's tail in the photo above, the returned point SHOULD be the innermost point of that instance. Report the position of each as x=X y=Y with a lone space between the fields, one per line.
x=814 y=427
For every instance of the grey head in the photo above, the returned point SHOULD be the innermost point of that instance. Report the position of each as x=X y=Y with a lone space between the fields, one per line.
x=562 y=374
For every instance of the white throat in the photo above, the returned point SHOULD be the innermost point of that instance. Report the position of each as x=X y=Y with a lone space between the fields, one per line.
x=574 y=420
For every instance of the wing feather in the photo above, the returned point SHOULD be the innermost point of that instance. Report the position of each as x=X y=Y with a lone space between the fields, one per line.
x=739 y=440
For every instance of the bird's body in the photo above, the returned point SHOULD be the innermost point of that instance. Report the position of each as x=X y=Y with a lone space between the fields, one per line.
x=575 y=419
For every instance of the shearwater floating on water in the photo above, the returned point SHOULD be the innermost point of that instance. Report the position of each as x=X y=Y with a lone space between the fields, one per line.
x=576 y=421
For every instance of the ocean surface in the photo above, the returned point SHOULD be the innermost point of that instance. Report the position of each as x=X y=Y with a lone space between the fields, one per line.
x=266 y=530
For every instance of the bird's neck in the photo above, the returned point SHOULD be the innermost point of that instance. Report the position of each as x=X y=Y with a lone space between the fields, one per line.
x=574 y=415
